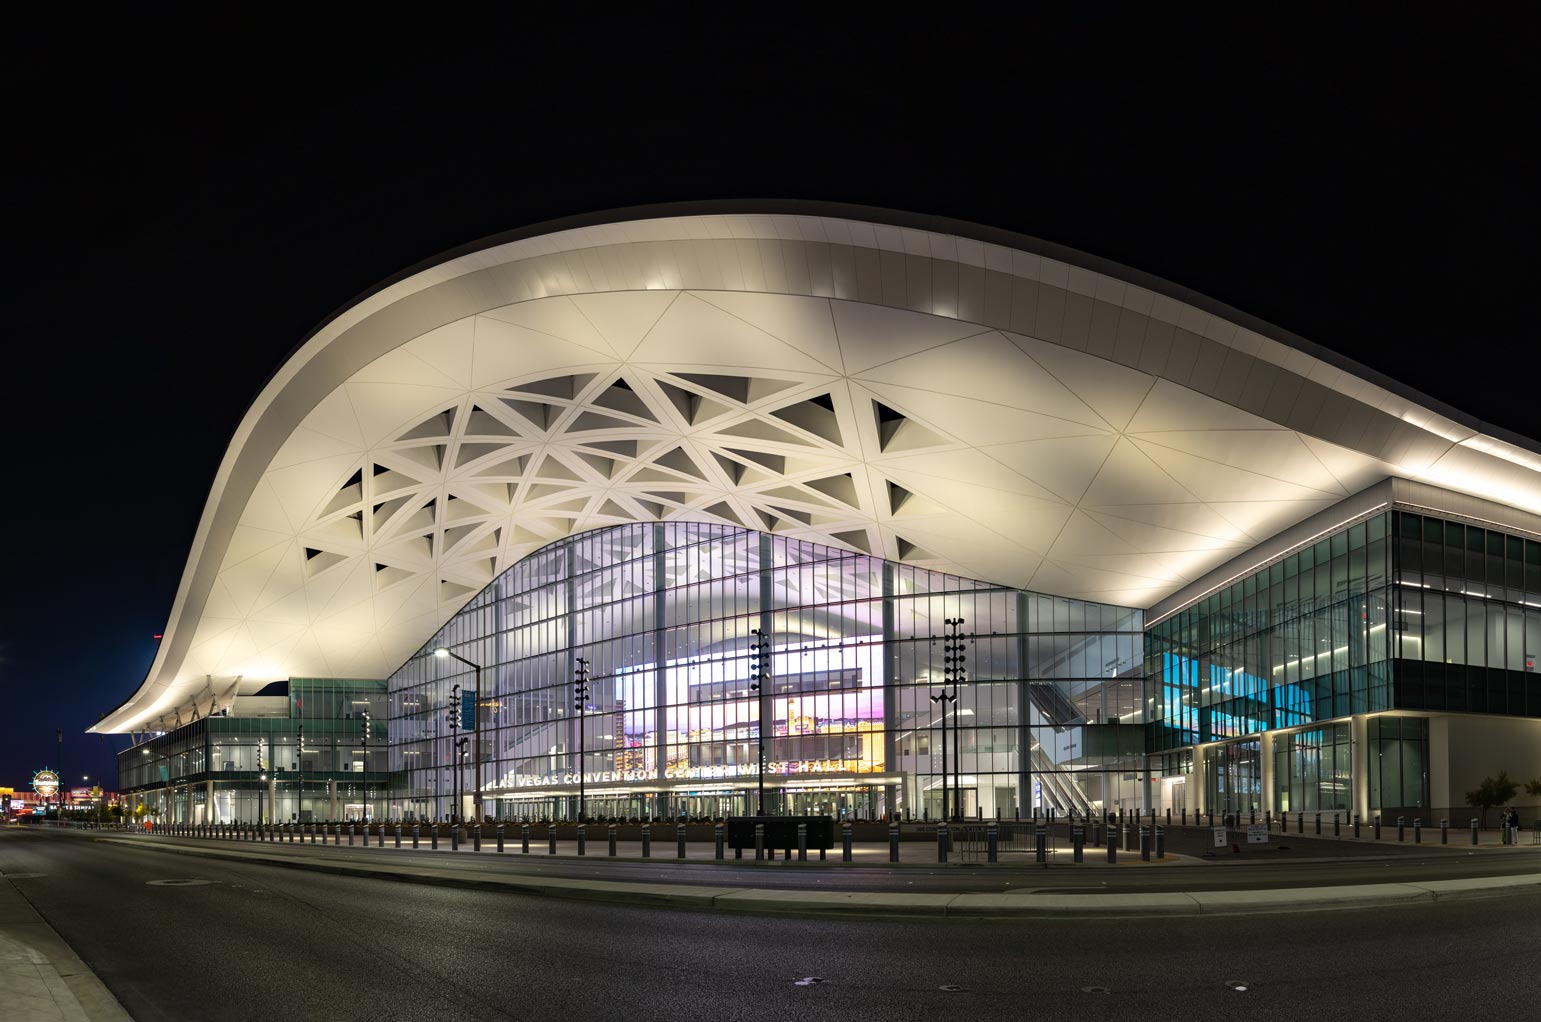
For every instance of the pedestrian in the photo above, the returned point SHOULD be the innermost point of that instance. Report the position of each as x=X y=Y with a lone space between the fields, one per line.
x=1514 y=826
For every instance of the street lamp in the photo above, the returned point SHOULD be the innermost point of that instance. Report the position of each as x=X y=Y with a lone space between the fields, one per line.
x=441 y=653
x=580 y=703
x=363 y=744
x=953 y=660
x=759 y=672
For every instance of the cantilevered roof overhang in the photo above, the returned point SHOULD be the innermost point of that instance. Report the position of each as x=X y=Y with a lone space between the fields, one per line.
x=922 y=390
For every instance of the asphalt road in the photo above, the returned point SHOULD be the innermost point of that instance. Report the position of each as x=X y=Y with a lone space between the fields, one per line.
x=1257 y=871
x=265 y=943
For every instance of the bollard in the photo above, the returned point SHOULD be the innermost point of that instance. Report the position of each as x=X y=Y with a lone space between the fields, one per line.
x=1078 y=841
x=1337 y=825
x=845 y=842
x=417 y=832
x=1444 y=832
x=1144 y=844
x=1211 y=816
x=583 y=839
x=310 y=829
x=1377 y=828
x=350 y=835
x=336 y=833
x=1318 y=824
x=1185 y=816
x=1474 y=832
x=433 y=837
x=718 y=839
x=524 y=839
x=1401 y=828
x=1300 y=824
x=610 y=832
x=398 y=835
x=476 y=837
x=1252 y=815
x=500 y=829
x=893 y=841
x=942 y=841
x=679 y=840
x=1112 y=850
x=1417 y=830
x=802 y=843
x=550 y=839
x=647 y=840
x=1168 y=816
x=1356 y=825
x=759 y=842
x=290 y=828
x=992 y=843
x=1041 y=845
x=1160 y=843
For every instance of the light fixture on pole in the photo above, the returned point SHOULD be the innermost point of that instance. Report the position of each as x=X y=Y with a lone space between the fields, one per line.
x=473 y=725
x=953 y=660
x=581 y=703
x=759 y=673
x=363 y=744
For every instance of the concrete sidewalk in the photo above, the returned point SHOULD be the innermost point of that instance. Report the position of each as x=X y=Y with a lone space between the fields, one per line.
x=1016 y=905
x=41 y=979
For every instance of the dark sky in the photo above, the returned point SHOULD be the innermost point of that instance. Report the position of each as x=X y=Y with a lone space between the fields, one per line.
x=188 y=197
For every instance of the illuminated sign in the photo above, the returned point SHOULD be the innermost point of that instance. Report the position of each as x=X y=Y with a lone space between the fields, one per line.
x=45 y=783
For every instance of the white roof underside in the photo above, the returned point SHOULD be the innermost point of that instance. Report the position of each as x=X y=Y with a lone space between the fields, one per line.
x=960 y=405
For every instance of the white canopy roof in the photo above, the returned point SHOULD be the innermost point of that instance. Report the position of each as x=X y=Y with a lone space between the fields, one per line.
x=935 y=393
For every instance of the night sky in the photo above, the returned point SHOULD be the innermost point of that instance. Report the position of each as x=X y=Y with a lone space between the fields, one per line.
x=187 y=198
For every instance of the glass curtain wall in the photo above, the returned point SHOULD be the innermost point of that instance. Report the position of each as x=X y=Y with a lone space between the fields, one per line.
x=1467 y=616
x=664 y=614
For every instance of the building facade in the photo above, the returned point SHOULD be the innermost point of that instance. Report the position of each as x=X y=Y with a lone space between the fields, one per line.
x=1204 y=563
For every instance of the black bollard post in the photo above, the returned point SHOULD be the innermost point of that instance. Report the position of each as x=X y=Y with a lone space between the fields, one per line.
x=1160 y=843
x=1168 y=816
x=1444 y=832
x=1337 y=825
x=845 y=841
x=1112 y=850
x=1144 y=844
x=992 y=843
x=717 y=839
x=1041 y=845
x=524 y=839
x=583 y=839
x=610 y=832
x=1474 y=832
x=454 y=836
x=1417 y=830
x=647 y=840
x=802 y=842
x=1300 y=824
x=417 y=831
x=476 y=837
x=1078 y=841
x=551 y=839
x=679 y=840
x=1377 y=827
x=433 y=837
x=1401 y=828
x=1356 y=825
x=759 y=842
x=893 y=841
x=941 y=842
x=1318 y=824
x=500 y=832
x=500 y=837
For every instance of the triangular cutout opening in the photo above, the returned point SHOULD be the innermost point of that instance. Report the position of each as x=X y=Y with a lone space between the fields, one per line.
x=483 y=423
x=732 y=469
x=619 y=397
x=857 y=538
x=539 y=414
x=565 y=387
x=434 y=426
x=430 y=457
x=759 y=429
x=678 y=461
x=897 y=432
x=777 y=463
x=815 y=415
x=897 y=496
x=841 y=487
x=722 y=510
x=910 y=552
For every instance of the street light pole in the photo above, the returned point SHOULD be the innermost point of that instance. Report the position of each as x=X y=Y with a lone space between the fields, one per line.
x=580 y=703
x=262 y=780
x=364 y=768
x=299 y=766
x=953 y=660
x=942 y=699
x=759 y=673
x=454 y=754
x=475 y=725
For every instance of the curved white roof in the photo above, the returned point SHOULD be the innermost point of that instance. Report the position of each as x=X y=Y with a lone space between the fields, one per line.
x=929 y=392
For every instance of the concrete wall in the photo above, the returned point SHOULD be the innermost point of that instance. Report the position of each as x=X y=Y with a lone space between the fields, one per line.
x=1477 y=746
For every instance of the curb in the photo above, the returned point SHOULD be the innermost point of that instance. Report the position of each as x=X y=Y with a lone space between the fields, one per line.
x=974 y=906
